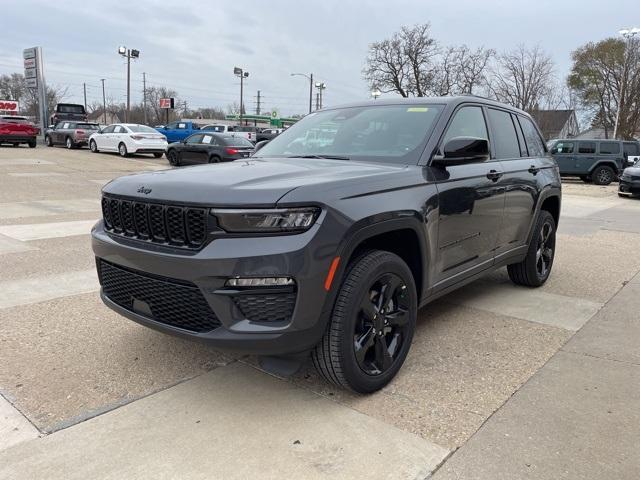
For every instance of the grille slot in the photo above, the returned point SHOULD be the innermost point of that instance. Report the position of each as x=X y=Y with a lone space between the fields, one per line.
x=184 y=227
x=179 y=304
x=266 y=307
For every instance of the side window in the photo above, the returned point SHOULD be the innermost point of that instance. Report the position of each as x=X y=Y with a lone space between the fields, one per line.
x=118 y=129
x=467 y=122
x=632 y=149
x=609 y=148
x=587 y=147
x=194 y=139
x=563 y=147
x=523 y=145
x=505 y=139
x=535 y=146
x=108 y=129
x=65 y=125
x=171 y=126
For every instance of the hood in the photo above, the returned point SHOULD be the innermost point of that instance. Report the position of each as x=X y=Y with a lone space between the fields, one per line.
x=633 y=170
x=257 y=182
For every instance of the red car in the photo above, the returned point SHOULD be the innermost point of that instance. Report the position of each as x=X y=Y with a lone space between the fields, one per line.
x=16 y=130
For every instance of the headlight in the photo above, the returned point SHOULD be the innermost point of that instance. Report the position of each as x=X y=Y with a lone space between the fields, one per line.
x=263 y=220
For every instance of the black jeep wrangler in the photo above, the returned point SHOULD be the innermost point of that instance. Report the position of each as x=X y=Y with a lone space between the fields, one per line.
x=332 y=236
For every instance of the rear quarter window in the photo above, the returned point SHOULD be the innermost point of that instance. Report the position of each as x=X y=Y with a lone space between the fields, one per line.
x=609 y=148
x=535 y=145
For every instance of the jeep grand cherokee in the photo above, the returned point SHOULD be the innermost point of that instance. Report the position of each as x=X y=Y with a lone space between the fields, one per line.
x=331 y=236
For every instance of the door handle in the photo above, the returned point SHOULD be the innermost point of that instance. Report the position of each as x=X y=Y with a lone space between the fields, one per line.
x=533 y=169
x=494 y=175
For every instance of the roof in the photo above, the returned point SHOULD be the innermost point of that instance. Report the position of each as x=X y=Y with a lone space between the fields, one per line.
x=552 y=120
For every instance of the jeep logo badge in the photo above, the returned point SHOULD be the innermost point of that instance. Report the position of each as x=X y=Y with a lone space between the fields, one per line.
x=144 y=190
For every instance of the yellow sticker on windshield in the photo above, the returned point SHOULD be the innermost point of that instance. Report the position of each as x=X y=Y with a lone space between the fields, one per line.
x=417 y=109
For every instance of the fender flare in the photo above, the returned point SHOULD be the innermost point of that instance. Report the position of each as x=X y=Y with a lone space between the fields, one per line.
x=548 y=192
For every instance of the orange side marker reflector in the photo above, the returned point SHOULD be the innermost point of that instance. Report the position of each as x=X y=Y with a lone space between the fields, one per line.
x=332 y=272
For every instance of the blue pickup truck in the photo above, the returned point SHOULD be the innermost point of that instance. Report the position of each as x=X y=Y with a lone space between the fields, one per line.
x=178 y=131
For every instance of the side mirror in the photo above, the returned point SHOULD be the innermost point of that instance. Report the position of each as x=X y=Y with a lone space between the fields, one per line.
x=259 y=145
x=461 y=150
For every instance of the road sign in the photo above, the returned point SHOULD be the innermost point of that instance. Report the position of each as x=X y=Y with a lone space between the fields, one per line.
x=167 y=102
x=29 y=63
x=8 y=106
x=32 y=82
x=30 y=72
x=29 y=53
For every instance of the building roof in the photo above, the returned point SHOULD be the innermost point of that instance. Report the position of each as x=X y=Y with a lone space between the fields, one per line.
x=552 y=121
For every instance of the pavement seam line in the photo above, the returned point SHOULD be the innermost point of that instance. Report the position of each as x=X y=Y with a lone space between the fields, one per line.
x=40 y=432
x=583 y=354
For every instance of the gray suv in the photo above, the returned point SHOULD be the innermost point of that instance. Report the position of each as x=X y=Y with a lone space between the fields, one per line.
x=331 y=247
x=597 y=161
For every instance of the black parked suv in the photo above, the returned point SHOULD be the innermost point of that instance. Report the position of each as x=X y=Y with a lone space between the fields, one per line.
x=330 y=246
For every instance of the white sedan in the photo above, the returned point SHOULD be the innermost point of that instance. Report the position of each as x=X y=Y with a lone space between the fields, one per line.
x=128 y=138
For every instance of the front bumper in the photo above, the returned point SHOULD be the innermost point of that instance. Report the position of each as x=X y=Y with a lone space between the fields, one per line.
x=298 y=256
x=629 y=187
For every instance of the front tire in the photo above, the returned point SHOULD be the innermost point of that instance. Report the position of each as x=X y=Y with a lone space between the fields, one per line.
x=122 y=150
x=172 y=155
x=69 y=143
x=32 y=144
x=535 y=269
x=93 y=146
x=372 y=324
x=603 y=175
x=48 y=141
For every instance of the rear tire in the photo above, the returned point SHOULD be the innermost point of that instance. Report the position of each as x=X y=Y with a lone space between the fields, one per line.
x=535 y=269
x=372 y=324
x=122 y=150
x=172 y=156
x=603 y=175
x=32 y=144
x=214 y=159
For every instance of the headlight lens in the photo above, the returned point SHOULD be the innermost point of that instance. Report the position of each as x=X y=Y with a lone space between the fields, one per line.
x=264 y=221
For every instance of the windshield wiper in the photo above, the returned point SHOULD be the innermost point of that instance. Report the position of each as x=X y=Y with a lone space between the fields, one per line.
x=327 y=157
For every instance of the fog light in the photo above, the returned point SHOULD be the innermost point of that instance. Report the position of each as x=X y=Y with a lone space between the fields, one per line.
x=260 y=282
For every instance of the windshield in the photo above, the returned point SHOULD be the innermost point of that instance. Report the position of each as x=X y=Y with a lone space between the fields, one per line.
x=214 y=128
x=70 y=108
x=141 y=128
x=382 y=133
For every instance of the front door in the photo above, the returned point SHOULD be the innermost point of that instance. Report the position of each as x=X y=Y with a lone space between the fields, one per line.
x=191 y=149
x=564 y=154
x=471 y=204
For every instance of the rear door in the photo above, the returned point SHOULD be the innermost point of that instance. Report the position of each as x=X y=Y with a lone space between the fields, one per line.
x=611 y=152
x=471 y=204
x=564 y=153
x=586 y=157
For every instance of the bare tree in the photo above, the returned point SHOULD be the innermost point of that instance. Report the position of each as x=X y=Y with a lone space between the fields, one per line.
x=522 y=77
x=461 y=70
x=403 y=63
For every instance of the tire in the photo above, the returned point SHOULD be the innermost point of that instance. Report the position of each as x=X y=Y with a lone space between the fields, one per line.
x=535 y=269
x=214 y=159
x=93 y=146
x=603 y=175
x=69 y=143
x=32 y=144
x=586 y=179
x=48 y=141
x=157 y=155
x=174 y=160
x=122 y=150
x=351 y=352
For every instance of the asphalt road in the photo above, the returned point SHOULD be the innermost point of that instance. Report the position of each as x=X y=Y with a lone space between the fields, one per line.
x=65 y=358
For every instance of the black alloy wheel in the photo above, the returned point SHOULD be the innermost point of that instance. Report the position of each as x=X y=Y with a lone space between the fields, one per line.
x=382 y=324
x=173 y=158
x=535 y=269
x=545 y=249
x=603 y=175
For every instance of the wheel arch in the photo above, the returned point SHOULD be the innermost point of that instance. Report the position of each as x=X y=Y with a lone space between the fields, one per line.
x=549 y=200
x=604 y=163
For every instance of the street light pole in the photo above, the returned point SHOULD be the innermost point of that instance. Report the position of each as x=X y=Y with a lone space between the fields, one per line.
x=129 y=53
x=628 y=34
x=320 y=86
x=104 y=103
x=310 y=77
x=239 y=72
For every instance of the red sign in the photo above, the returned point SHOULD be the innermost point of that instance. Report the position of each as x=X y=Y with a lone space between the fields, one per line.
x=8 y=106
x=166 y=103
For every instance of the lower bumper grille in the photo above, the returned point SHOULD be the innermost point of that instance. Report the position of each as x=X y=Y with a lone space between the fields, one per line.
x=266 y=308
x=179 y=304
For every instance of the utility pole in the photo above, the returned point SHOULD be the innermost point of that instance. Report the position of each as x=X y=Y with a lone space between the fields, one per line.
x=320 y=86
x=258 y=104
x=310 y=77
x=84 y=87
x=144 y=95
x=104 y=103
x=184 y=108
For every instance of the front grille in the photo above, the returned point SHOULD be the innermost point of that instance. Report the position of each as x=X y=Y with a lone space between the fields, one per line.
x=175 y=303
x=184 y=227
x=266 y=307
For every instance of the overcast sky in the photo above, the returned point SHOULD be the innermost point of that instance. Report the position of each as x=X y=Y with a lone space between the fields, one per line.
x=192 y=47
